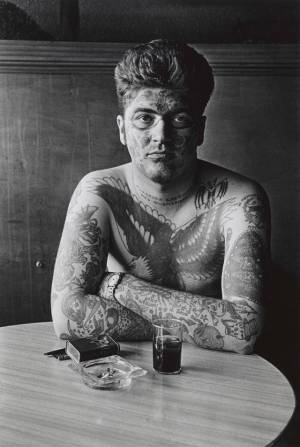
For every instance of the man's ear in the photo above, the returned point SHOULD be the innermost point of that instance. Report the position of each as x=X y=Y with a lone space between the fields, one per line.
x=121 y=126
x=201 y=127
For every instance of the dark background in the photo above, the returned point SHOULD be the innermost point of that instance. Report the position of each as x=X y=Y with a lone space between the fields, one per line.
x=206 y=21
x=57 y=124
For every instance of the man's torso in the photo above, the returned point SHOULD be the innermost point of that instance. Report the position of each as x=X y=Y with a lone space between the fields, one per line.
x=180 y=244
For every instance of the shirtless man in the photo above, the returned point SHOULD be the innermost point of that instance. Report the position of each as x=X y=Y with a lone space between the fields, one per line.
x=166 y=235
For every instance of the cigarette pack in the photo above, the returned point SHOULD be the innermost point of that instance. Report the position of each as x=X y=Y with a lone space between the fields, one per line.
x=83 y=349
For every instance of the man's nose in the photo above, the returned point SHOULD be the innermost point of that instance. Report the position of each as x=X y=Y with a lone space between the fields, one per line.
x=161 y=132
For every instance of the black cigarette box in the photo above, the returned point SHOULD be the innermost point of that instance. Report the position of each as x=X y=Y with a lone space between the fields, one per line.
x=83 y=349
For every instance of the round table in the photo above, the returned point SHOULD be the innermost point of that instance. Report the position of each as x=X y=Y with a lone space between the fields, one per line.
x=219 y=399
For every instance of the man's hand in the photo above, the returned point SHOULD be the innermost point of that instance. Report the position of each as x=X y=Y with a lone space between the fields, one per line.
x=231 y=319
x=208 y=322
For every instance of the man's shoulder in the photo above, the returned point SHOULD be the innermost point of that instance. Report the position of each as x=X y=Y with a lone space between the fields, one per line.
x=96 y=187
x=106 y=189
x=220 y=181
x=117 y=173
x=113 y=179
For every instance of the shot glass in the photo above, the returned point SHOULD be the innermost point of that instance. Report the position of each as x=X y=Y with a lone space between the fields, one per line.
x=167 y=344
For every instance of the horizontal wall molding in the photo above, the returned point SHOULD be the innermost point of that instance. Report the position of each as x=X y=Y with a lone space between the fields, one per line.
x=89 y=57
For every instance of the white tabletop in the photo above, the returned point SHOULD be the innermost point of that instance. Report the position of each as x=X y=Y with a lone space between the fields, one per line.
x=219 y=399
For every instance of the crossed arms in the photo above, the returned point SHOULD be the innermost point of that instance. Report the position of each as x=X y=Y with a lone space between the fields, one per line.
x=81 y=304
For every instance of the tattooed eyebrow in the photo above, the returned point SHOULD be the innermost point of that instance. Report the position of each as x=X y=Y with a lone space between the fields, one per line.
x=172 y=112
x=145 y=110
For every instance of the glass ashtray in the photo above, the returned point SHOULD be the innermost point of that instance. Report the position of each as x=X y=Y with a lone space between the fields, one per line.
x=110 y=373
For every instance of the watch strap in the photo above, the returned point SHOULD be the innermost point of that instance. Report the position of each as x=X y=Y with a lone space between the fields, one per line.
x=112 y=280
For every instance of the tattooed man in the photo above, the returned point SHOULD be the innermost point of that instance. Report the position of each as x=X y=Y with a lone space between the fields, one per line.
x=166 y=235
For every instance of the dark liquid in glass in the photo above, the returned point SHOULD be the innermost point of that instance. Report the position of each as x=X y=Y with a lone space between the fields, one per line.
x=167 y=354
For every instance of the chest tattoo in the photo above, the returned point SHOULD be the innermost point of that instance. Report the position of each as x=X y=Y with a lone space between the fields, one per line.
x=208 y=193
x=157 y=250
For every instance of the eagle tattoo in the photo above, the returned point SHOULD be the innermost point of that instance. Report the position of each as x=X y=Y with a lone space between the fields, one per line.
x=153 y=248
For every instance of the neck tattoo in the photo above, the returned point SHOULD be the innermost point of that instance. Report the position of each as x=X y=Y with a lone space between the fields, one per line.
x=145 y=196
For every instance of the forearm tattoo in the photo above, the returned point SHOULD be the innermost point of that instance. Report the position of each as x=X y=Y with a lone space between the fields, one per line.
x=78 y=275
x=79 y=268
x=100 y=315
x=174 y=270
x=208 y=322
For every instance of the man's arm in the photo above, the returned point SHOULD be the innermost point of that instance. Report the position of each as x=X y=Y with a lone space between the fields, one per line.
x=234 y=322
x=80 y=263
x=208 y=322
x=77 y=309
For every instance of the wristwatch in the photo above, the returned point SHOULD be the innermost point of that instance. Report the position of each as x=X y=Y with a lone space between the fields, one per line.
x=112 y=280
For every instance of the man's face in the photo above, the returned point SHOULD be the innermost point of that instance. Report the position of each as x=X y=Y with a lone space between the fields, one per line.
x=161 y=133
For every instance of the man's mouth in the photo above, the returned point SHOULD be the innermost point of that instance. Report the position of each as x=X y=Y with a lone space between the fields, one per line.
x=158 y=155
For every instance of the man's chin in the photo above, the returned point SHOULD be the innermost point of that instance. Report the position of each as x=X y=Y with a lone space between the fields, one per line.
x=160 y=174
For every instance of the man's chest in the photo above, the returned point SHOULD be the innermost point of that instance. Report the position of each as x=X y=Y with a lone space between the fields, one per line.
x=184 y=252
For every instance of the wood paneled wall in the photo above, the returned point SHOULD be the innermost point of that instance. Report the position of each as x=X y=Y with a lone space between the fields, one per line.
x=54 y=128
x=57 y=122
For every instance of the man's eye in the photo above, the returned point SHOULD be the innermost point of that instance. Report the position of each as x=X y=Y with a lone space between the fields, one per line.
x=182 y=121
x=143 y=120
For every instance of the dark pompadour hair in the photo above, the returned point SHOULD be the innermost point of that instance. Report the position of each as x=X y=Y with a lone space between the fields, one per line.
x=167 y=64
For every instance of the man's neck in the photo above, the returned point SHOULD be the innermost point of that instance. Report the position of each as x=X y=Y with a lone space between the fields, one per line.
x=168 y=195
